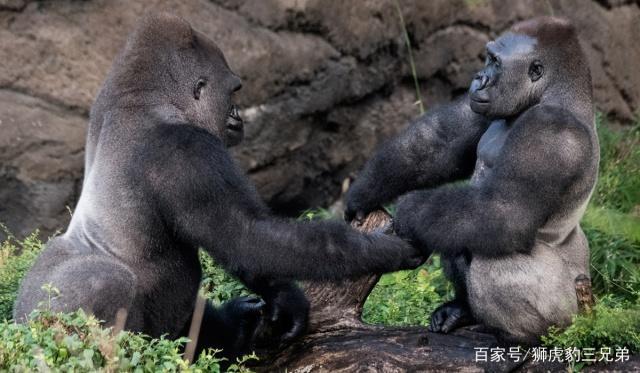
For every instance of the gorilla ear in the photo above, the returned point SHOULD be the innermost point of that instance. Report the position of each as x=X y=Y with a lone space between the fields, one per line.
x=197 y=89
x=536 y=70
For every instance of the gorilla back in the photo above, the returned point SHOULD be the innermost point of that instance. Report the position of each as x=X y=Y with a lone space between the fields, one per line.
x=159 y=183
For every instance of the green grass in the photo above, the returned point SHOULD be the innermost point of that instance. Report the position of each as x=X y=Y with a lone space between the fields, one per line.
x=611 y=222
x=408 y=297
x=619 y=178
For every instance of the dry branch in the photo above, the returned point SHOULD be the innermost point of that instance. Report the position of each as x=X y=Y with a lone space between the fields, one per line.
x=584 y=294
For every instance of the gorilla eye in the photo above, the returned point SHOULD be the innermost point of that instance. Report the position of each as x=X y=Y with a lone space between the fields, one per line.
x=197 y=90
x=492 y=60
x=536 y=70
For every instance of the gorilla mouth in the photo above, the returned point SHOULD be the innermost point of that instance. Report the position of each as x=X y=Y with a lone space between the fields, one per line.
x=479 y=104
x=234 y=122
x=479 y=100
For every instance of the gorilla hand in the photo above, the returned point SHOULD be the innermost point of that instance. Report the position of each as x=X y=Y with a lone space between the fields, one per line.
x=287 y=314
x=357 y=203
x=450 y=316
x=407 y=218
x=241 y=318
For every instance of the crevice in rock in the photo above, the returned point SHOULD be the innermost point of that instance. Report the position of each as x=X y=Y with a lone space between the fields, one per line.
x=49 y=101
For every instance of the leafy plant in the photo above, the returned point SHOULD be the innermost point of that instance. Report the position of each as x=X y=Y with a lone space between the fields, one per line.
x=77 y=342
x=217 y=285
x=316 y=214
x=408 y=297
x=16 y=257
x=611 y=324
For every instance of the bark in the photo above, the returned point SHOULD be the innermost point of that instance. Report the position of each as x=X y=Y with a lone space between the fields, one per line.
x=584 y=294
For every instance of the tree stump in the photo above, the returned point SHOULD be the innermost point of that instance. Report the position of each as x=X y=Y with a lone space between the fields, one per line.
x=338 y=340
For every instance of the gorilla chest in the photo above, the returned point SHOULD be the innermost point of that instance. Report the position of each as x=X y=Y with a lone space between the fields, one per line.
x=489 y=150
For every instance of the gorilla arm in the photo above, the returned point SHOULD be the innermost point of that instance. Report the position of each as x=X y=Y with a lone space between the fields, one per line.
x=539 y=161
x=438 y=147
x=208 y=203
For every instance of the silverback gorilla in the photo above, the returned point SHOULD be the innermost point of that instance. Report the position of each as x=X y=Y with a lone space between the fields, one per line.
x=159 y=183
x=510 y=238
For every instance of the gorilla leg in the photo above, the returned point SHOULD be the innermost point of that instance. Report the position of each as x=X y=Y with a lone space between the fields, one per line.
x=455 y=313
x=96 y=284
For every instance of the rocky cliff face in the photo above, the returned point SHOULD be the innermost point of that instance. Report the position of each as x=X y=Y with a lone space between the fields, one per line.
x=324 y=82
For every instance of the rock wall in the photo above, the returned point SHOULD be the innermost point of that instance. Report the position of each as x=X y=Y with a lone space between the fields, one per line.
x=324 y=82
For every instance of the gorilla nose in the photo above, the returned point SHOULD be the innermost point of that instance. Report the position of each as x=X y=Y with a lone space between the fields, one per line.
x=479 y=82
x=234 y=113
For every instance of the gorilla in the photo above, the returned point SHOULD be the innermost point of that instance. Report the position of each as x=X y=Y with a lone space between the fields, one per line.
x=509 y=238
x=160 y=183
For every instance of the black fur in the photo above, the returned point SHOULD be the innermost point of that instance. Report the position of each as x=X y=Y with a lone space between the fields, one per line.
x=510 y=238
x=160 y=183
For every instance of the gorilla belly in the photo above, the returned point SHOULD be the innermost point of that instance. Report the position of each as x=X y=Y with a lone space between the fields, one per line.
x=489 y=149
x=522 y=294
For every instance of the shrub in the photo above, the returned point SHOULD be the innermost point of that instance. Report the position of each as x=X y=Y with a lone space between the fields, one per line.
x=16 y=257
x=77 y=342
x=613 y=323
x=408 y=297
x=218 y=285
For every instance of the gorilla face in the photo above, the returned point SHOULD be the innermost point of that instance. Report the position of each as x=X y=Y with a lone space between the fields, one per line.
x=213 y=89
x=511 y=79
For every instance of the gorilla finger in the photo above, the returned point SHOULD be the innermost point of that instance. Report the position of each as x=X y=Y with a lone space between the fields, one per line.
x=252 y=305
x=275 y=313
x=385 y=229
x=348 y=216
x=416 y=260
x=250 y=299
x=450 y=323
x=297 y=329
x=436 y=321
x=360 y=216
x=434 y=327
x=388 y=228
x=456 y=319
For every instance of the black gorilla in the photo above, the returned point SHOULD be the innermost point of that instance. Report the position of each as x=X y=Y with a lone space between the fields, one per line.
x=159 y=183
x=510 y=238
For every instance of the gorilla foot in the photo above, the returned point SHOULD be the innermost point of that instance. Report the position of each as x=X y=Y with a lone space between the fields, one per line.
x=450 y=316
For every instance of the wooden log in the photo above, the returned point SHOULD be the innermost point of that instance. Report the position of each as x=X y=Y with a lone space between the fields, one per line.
x=339 y=341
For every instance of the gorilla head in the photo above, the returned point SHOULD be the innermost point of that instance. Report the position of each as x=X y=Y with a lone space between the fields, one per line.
x=179 y=76
x=534 y=59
